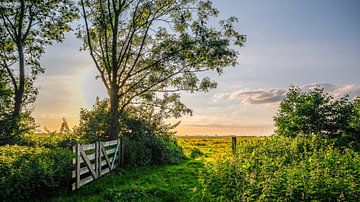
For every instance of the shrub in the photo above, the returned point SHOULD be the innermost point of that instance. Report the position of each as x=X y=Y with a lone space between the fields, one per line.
x=148 y=140
x=95 y=123
x=285 y=169
x=315 y=112
x=33 y=172
x=144 y=147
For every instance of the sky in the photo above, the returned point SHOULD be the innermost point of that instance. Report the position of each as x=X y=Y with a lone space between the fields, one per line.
x=304 y=43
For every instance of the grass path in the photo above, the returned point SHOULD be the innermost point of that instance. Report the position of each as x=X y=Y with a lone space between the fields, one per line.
x=161 y=183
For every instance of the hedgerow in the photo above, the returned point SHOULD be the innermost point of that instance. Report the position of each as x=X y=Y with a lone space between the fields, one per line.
x=33 y=172
x=285 y=169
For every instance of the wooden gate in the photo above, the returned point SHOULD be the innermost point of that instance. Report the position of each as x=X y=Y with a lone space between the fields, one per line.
x=96 y=159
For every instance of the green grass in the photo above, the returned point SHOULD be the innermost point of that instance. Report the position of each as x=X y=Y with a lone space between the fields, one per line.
x=162 y=183
x=178 y=182
x=212 y=148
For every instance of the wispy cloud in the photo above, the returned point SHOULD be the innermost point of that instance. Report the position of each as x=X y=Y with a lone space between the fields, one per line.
x=275 y=95
x=256 y=96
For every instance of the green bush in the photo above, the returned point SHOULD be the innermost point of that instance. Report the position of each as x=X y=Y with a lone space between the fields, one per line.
x=148 y=141
x=304 y=113
x=143 y=147
x=285 y=169
x=33 y=172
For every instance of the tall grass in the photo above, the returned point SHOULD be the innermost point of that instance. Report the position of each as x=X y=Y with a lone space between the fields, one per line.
x=285 y=169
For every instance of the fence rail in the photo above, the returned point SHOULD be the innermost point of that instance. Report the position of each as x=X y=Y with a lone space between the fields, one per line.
x=95 y=160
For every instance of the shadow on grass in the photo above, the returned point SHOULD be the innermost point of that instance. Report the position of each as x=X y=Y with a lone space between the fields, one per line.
x=178 y=182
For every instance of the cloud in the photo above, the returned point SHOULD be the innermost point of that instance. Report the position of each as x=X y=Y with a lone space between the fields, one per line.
x=276 y=95
x=258 y=96
x=326 y=86
x=352 y=90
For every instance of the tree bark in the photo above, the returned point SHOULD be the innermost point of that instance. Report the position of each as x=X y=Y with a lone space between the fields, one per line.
x=114 y=97
x=19 y=93
x=114 y=114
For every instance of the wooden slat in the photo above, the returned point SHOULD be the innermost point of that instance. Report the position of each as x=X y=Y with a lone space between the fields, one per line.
x=78 y=157
x=100 y=157
x=83 y=182
x=83 y=154
x=87 y=147
x=109 y=143
x=85 y=169
x=106 y=170
x=105 y=155
x=91 y=157
x=110 y=151
x=103 y=162
x=122 y=154
x=115 y=154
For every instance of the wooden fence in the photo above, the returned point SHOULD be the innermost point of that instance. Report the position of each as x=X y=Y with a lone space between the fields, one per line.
x=94 y=160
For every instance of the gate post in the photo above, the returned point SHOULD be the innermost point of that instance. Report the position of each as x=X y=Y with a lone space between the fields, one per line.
x=78 y=157
x=233 y=144
x=121 y=153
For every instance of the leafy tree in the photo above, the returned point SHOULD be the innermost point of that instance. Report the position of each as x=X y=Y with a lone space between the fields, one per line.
x=148 y=140
x=302 y=113
x=147 y=51
x=64 y=128
x=355 y=116
x=26 y=27
x=316 y=112
x=95 y=123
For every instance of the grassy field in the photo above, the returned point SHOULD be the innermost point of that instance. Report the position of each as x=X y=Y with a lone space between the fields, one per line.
x=162 y=183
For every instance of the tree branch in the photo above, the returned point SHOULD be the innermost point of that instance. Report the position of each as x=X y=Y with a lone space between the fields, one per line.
x=90 y=47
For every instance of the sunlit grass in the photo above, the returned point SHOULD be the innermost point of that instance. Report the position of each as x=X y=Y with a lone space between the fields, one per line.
x=212 y=148
x=178 y=182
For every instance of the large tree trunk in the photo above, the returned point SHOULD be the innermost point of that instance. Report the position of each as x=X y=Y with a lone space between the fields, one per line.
x=114 y=114
x=19 y=93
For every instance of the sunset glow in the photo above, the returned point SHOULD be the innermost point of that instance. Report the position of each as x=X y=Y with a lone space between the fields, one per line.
x=289 y=42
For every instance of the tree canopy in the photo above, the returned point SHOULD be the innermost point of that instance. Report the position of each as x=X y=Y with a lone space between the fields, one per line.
x=26 y=27
x=147 y=51
x=314 y=112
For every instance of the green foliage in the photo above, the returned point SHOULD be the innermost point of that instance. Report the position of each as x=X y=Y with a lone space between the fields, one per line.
x=33 y=172
x=315 y=112
x=285 y=169
x=95 y=123
x=209 y=149
x=148 y=140
x=144 y=146
x=50 y=140
x=26 y=27
x=64 y=128
x=147 y=51
x=24 y=124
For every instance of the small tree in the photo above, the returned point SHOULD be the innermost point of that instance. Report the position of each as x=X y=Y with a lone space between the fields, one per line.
x=302 y=113
x=316 y=112
x=64 y=128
